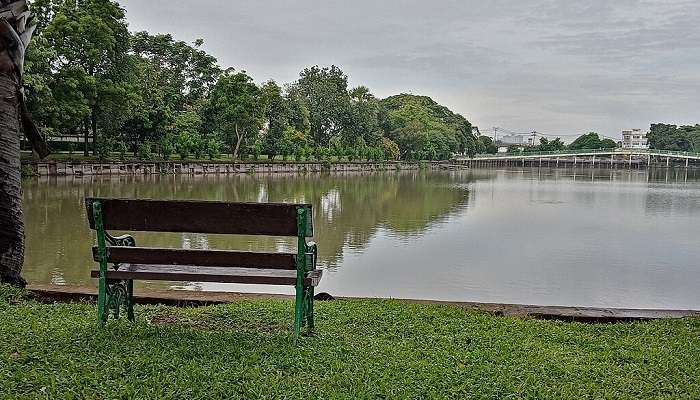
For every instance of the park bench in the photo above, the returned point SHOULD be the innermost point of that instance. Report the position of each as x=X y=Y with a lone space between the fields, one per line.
x=129 y=262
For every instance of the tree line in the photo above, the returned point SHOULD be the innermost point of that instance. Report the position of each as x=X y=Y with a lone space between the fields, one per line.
x=87 y=75
x=590 y=140
x=673 y=137
x=660 y=136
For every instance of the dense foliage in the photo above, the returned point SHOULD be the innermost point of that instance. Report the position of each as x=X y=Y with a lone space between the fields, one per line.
x=548 y=145
x=588 y=141
x=424 y=129
x=672 y=137
x=151 y=95
x=591 y=140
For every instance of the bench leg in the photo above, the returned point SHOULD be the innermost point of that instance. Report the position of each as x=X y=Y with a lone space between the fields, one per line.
x=130 y=300
x=310 y=308
x=117 y=295
x=102 y=312
x=298 y=311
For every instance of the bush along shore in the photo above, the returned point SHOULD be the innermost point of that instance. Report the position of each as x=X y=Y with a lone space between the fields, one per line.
x=363 y=349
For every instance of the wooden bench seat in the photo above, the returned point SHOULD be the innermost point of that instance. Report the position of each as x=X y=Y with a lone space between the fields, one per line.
x=129 y=263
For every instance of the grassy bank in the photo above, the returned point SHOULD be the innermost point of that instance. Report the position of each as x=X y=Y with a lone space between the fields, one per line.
x=364 y=349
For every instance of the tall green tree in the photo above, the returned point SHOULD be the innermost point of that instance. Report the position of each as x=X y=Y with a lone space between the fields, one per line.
x=325 y=91
x=591 y=140
x=184 y=73
x=276 y=113
x=425 y=129
x=551 y=145
x=234 y=109
x=299 y=116
x=489 y=146
x=170 y=77
x=91 y=43
x=364 y=116
x=673 y=137
x=608 y=144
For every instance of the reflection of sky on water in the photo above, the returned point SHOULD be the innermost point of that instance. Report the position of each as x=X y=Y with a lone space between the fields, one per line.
x=585 y=237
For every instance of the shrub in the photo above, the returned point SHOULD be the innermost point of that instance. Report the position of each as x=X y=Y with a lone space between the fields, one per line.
x=324 y=153
x=27 y=171
x=390 y=149
x=166 y=147
x=213 y=147
x=184 y=145
x=199 y=146
x=256 y=150
x=103 y=146
x=145 y=151
x=122 y=148
x=299 y=153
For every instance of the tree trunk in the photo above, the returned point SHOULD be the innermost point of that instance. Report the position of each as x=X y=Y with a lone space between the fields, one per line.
x=12 y=232
x=16 y=27
x=239 y=139
x=93 y=126
x=86 y=138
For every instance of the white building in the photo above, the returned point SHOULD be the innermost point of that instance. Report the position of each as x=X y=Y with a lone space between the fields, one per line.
x=634 y=139
x=511 y=139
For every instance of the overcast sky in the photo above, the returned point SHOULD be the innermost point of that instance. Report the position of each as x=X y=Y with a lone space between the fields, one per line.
x=554 y=66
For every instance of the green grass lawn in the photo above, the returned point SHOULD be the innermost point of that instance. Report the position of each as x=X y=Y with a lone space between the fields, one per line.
x=364 y=349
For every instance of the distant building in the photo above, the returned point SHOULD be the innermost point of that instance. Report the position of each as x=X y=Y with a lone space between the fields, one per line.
x=634 y=139
x=511 y=139
x=502 y=149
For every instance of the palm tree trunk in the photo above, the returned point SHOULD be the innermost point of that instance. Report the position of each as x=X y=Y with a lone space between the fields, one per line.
x=16 y=28
x=12 y=232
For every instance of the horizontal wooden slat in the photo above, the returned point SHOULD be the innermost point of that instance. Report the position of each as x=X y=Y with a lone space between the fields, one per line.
x=193 y=273
x=274 y=219
x=207 y=258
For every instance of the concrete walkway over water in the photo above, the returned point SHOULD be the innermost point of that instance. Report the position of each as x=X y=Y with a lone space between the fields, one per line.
x=594 y=158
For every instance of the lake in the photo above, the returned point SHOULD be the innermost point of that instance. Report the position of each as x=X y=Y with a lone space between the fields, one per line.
x=586 y=237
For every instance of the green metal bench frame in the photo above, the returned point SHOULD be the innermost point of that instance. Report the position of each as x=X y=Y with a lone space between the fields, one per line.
x=115 y=294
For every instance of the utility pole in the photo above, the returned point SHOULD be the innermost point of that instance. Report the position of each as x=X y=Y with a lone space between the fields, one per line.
x=495 y=135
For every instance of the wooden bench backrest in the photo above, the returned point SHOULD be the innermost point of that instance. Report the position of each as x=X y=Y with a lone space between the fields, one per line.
x=211 y=258
x=273 y=219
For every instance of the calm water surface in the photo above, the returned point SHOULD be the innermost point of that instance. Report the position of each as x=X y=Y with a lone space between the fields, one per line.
x=552 y=237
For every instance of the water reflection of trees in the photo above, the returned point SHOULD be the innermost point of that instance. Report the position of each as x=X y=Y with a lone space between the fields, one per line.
x=349 y=210
x=673 y=192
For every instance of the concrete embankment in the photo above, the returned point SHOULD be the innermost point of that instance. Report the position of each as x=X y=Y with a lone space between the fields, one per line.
x=66 y=293
x=81 y=168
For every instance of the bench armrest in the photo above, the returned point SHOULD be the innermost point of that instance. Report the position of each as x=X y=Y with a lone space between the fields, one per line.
x=123 y=240
x=312 y=250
